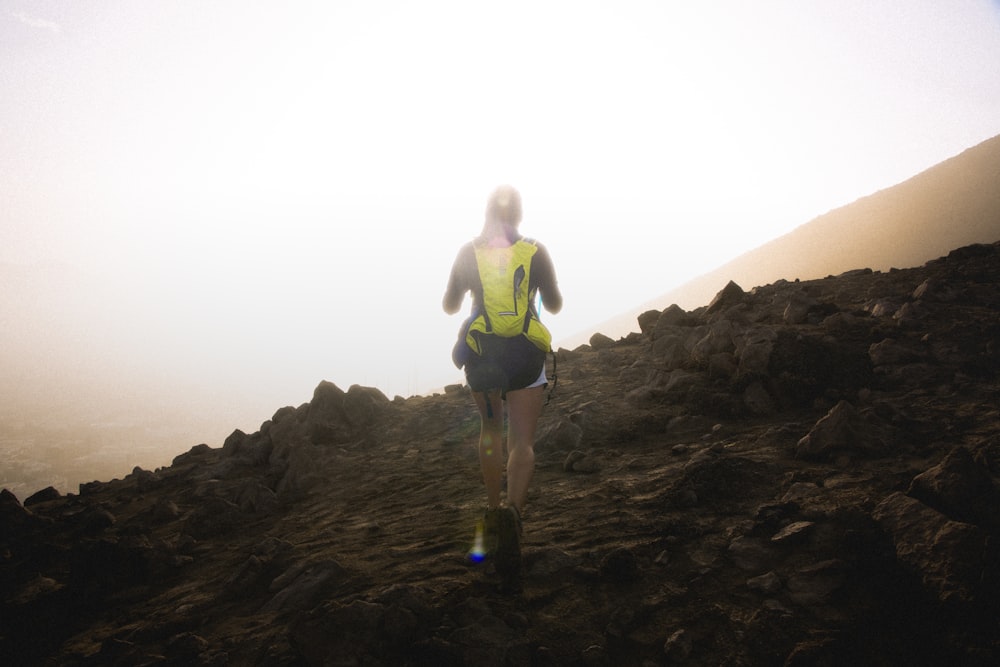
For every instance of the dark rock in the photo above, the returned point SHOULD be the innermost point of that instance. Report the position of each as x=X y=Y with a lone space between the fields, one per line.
x=97 y=519
x=647 y=321
x=300 y=473
x=363 y=404
x=717 y=339
x=145 y=480
x=803 y=368
x=961 y=488
x=253 y=497
x=768 y=583
x=891 y=352
x=408 y=615
x=672 y=316
x=730 y=295
x=844 y=429
x=952 y=559
x=327 y=420
x=565 y=436
x=793 y=532
x=798 y=309
x=678 y=647
x=43 y=496
x=813 y=585
x=752 y=554
x=304 y=585
x=109 y=564
x=187 y=647
x=601 y=342
x=340 y=634
x=12 y=513
x=757 y=399
x=578 y=461
x=753 y=348
x=236 y=441
x=164 y=510
x=620 y=565
x=193 y=455
x=213 y=517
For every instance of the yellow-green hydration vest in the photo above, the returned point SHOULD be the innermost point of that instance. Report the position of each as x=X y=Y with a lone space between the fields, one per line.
x=507 y=308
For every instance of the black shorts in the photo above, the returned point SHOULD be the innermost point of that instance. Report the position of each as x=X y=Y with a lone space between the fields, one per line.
x=506 y=364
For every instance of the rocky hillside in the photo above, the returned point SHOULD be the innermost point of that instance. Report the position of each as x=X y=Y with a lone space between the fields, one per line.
x=950 y=205
x=804 y=473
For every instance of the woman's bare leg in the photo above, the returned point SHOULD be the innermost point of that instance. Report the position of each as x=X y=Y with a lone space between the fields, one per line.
x=491 y=459
x=524 y=407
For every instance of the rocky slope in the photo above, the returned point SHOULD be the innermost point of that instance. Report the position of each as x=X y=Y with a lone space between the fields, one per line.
x=950 y=205
x=802 y=474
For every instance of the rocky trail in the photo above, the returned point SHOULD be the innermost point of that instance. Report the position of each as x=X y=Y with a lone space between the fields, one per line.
x=805 y=473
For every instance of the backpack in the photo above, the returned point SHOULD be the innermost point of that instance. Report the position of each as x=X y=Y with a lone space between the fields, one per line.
x=507 y=308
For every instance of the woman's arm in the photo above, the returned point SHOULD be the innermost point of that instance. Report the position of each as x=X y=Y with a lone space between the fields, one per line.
x=543 y=274
x=458 y=285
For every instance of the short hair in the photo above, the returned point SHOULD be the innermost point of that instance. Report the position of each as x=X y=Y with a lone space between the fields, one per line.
x=504 y=206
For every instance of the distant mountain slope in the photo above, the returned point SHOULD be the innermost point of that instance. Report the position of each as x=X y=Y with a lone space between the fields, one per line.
x=952 y=204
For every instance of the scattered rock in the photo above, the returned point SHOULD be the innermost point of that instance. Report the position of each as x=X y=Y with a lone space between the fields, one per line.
x=798 y=308
x=795 y=531
x=678 y=646
x=305 y=584
x=578 y=461
x=565 y=436
x=768 y=583
x=601 y=342
x=620 y=565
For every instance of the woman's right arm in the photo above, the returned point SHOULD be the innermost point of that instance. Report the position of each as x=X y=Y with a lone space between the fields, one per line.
x=454 y=294
x=548 y=286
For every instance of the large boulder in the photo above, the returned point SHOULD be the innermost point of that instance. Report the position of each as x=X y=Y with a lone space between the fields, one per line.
x=753 y=349
x=845 y=430
x=335 y=416
x=962 y=488
x=326 y=417
x=362 y=405
x=730 y=295
x=955 y=561
x=718 y=339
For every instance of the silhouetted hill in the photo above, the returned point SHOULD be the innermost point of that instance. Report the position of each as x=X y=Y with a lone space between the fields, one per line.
x=807 y=473
x=952 y=204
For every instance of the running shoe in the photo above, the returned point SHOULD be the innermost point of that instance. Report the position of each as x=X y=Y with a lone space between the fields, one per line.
x=508 y=549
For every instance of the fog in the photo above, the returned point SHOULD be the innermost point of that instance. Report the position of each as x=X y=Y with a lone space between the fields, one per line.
x=207 y=208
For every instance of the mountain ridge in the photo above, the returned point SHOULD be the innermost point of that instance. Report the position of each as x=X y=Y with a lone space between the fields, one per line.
x=951 y=204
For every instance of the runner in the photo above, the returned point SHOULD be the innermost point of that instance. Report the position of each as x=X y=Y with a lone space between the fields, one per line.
x=503 y=346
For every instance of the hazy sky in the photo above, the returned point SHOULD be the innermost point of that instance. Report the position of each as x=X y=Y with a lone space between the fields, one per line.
x=276 y=190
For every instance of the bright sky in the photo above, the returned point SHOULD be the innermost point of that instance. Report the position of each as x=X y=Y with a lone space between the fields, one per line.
x=278 y=189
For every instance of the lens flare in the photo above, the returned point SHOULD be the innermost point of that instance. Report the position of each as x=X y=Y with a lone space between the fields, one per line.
x=478 y=553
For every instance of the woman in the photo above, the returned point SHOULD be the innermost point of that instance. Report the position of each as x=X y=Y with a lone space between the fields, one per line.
x=503 y=347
